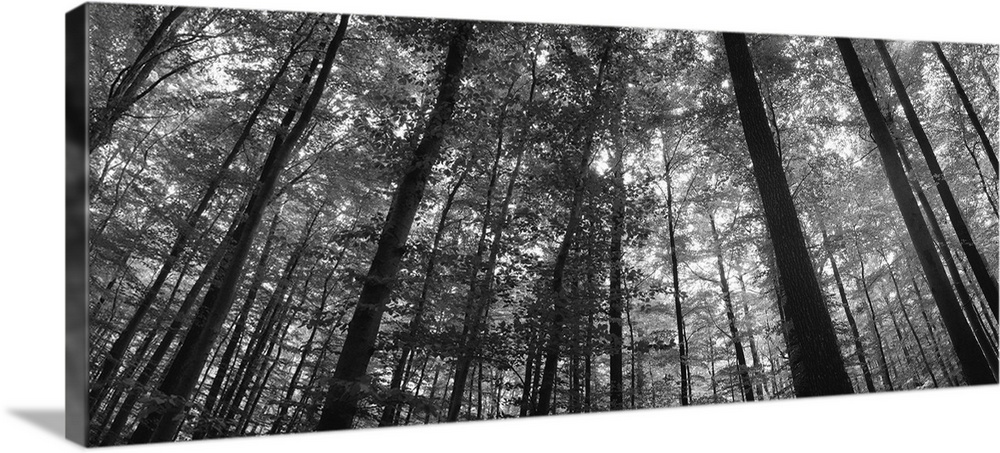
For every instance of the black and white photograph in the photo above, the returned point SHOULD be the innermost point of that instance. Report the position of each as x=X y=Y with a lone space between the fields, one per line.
x=296 y=222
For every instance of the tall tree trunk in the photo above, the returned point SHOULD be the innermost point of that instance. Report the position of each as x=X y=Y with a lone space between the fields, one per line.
x=114 y=356
x=274 y=339
x=477 y=299
x=814 y=355
x=279 y=420
x=615 y=293
x=947 y=370
x=343 y=395
x=116 y=430
x=140 y=353
x=536 y=380
x=124 y=90
x=416 y=323
x=741 y=361
x=711 y=372
x=757 y=375
x=973 y=117
x=945 y=250
x=633 y=355
x=858 y=347
x=883 y=363
x=219 y=378
x=974 y=363
x=685 y=366
x=555 y=321
x=526 y=391
x=588 y=365
x=271 y=317
x=430 y=396
x=916 y=338
x=986 y=281
x=161 y=424
x=982 y=178
x=902 y=344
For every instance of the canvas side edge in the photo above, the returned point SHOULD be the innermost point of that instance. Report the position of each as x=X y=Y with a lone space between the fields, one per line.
x=76 y=422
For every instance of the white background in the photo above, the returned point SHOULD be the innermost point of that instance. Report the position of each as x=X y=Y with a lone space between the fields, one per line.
x=32 y=288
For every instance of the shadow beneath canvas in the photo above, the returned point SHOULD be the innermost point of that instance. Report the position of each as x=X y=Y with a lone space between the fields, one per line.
x=50 y=420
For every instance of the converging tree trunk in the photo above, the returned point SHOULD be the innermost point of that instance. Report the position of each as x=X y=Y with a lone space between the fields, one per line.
x=344 y=392
x=161 y=424
x=858 y=347
x=945 y=250
x=971 y=358
x=124 y=90
x=478 y=298
x=114 y=356
x=967 y=104
x=741 y=361
x=980 y=269
x=682 y=350
x=558 y=294
x=416 y=322
x=814 y=356
x=616 y=294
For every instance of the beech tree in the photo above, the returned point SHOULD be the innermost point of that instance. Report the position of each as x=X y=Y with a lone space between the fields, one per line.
x=817 y=368
x=342 y=398
x=974 y=363
x=470 y=221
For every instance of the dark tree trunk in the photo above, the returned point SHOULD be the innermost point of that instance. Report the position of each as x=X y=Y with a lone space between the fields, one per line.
x=181 y=377
x=685 y=367
x=945 y=250
x=115 y=431
x=858 y=347
x=536 y=380
x=587 y=365
x=416 y=390
x=123 y=390
x=262 y=339
x=286 y=317
x=526 y=391
x=982 y=178
x=916 y=338
x=973 y=117
x=814 y=356
x=883 y=363
x=979 y=266
x=555 y=321
x=973 y=362
x=757 y=375
x=124 y=91
x=902 y=345
x=615 y=293
x=228 y=355
x=714 y=383
x=479 y=296
x=741 y=362
x=343 y=395
x=947 y=370
x=434 y=385
x=416 y=323
x=634 y=356
x=279 y=420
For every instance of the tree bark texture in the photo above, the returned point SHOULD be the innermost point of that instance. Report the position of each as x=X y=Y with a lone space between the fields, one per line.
x=814 y=356
x=973 y=362
x=346 y=389
x=182 y=375
x=980 y=269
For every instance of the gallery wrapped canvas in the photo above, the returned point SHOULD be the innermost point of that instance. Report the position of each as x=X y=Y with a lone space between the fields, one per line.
x=287 y=222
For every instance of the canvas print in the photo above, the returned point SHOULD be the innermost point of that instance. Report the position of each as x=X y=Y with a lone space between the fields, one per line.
x=307 y=221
